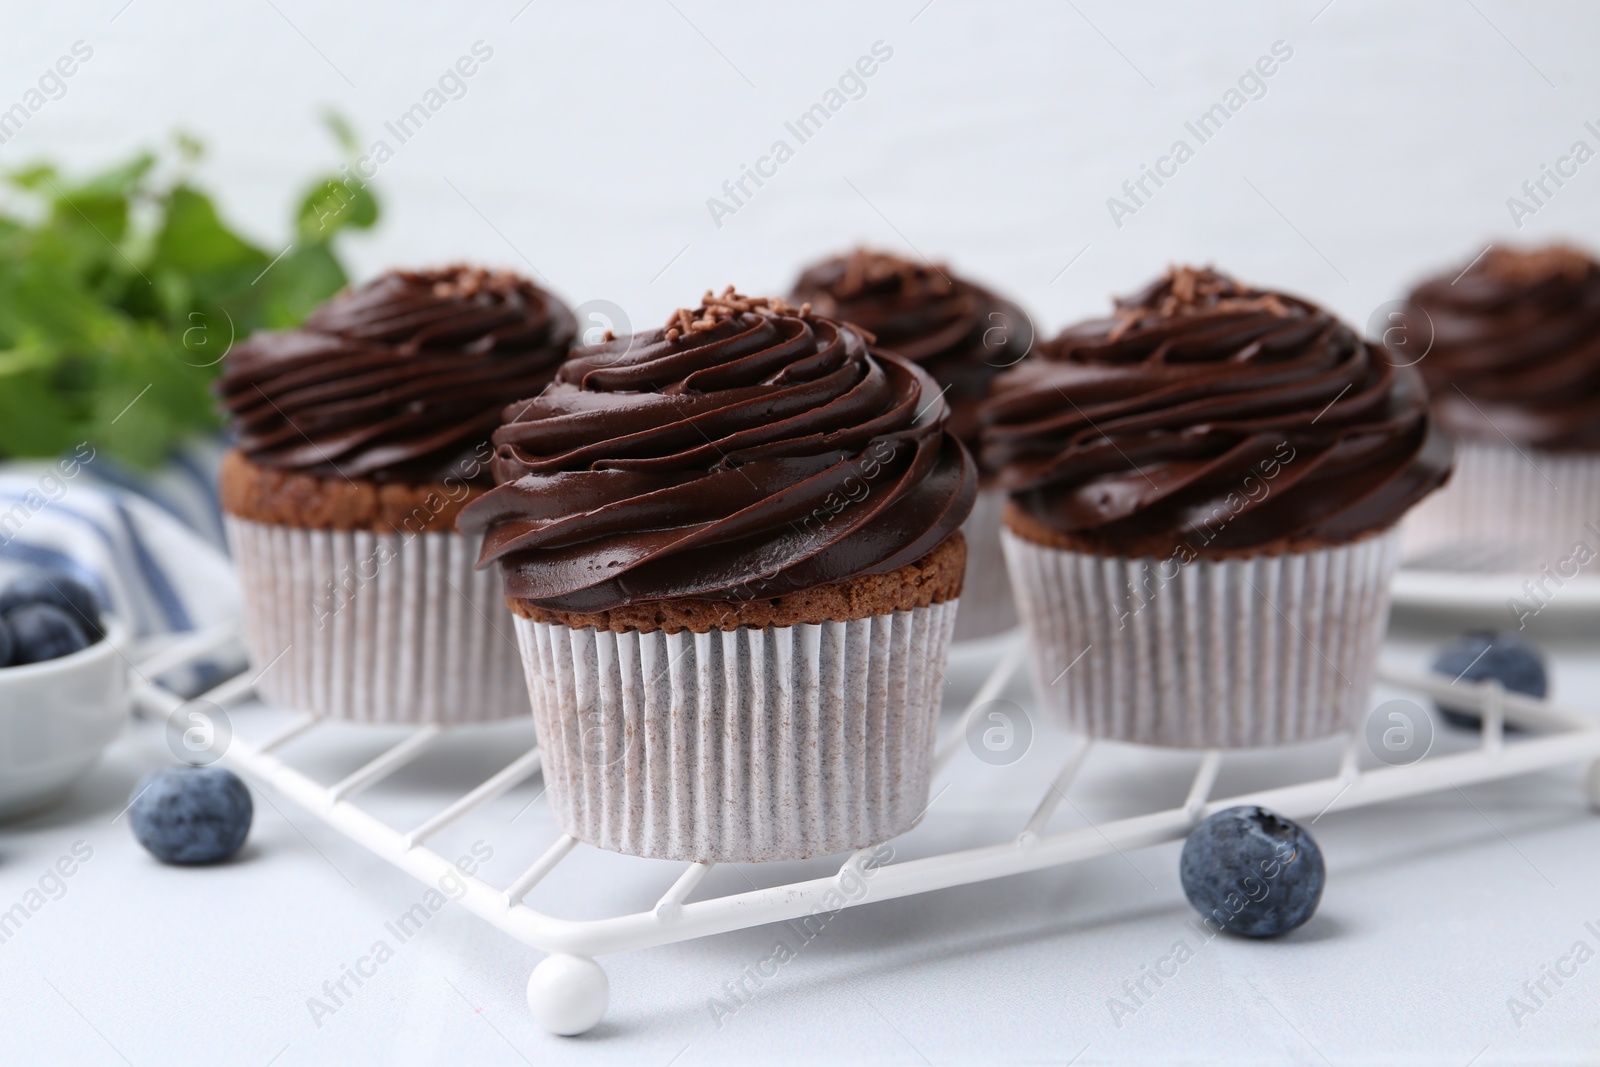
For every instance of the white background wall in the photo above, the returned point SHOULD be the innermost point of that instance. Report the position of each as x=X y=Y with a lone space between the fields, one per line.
x=593 y=137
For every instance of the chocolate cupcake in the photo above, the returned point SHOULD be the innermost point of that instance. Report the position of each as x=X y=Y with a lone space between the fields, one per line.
x=359 y=438
x=964 y=336
x=1510 y=348
x=1204 y=491
x=732 y=548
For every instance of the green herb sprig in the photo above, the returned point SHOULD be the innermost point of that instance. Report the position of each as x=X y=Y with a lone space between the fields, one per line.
x=120 y=294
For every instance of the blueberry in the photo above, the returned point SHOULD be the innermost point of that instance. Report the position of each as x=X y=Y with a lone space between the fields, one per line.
x=1481 y=655
x=59 y=590
x=1252 y=872
x=43 y=631
x=7 y=643
x=191 y=814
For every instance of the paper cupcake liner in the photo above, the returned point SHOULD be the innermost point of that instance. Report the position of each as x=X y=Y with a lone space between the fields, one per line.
x=1267 y=650
x=987 y=607
x=372 y=627
x=745 y=745
x=1505 y=510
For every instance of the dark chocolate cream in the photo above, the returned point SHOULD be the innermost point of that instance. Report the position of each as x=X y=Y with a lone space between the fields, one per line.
x=400 y=380
x=746 y=449
x=1512 y=347
x=959 y=332
x=1208 y=414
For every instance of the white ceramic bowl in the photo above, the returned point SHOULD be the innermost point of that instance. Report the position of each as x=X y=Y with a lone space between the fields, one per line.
x=56 y=717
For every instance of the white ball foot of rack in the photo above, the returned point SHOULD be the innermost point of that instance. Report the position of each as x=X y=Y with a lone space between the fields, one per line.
x=568 y=991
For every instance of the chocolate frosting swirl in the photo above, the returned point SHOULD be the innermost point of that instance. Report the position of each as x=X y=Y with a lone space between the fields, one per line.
x=1209 y=414
x=959 y=332
x=400 y=380
x=745 y=450
x=1515 y=347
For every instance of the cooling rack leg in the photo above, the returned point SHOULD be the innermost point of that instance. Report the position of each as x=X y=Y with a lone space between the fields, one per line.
x=568 y=994
x=1592 y=781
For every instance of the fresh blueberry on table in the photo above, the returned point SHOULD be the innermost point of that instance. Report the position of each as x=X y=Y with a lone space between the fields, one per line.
x=42 y=631
x=1481 y=655
x=58 y=590
x=191 y=815
x=1250 y=871
x=7 y=643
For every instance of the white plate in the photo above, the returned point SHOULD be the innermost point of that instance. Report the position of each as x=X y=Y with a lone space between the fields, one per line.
x=1432 y=589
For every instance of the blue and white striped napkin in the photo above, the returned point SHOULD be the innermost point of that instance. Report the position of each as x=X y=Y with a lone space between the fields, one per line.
x=149 y=544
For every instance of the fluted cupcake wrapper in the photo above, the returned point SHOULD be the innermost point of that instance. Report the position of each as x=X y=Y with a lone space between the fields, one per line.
x=373 y=627
x=1233 y=653
x=987 y=607
x=1505 y=509
x=743 y=745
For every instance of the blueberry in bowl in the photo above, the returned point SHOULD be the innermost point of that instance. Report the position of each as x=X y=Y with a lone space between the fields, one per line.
x=63 y=688
x=1251 y=872
x=1481 y=655
x=45 y=615
x=40 y=632
x=60 y=591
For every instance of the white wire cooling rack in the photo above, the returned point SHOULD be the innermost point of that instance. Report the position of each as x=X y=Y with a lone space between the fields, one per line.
x=568 y=991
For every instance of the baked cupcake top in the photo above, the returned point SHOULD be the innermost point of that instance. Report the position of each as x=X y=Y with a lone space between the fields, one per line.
x=745 y=449
x=959 y=332
x=1515 y=347
x=1210 y=414
x=400 y=380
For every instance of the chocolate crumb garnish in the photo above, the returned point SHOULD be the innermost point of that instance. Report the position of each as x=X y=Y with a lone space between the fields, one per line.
x=866 y=270
x=466 y=282
x=715 y=310
x=1193 y=291
x=1531 y=266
